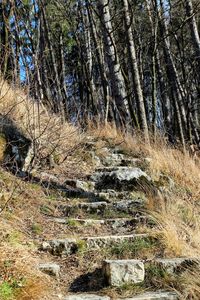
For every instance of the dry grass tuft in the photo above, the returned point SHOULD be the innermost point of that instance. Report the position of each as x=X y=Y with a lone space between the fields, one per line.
x=190 y=284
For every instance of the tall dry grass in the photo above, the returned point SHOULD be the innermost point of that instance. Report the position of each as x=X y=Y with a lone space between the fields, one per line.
x=50 y=136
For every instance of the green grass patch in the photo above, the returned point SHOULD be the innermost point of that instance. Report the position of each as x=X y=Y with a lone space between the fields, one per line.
x=134 y=248
x=131 y=288
x=6 y=291
x=72 y=223
x=82 y=247
x=14 y=238
x=36 y=228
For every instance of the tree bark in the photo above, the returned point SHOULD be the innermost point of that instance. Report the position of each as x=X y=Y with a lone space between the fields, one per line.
x=135 y=73
x=118 y=89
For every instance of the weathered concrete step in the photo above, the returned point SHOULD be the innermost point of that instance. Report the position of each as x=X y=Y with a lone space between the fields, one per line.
x=126 y=206
x=71 y=245
x=86 y=297
x=159 y=295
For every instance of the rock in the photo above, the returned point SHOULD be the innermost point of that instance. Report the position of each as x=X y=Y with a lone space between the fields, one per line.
x=17 y=144
x=127 y=206
x=49 y=177
x=108 y=195
x=114 y=196
x=116 y=160
x=86 y=297
x=173 y=265
x=118 y=272
x=123 y=178
x=85 y=186
x=50 y=269
x=113 y=159
x=60 y=247
x=93 y=207
x=159 y=295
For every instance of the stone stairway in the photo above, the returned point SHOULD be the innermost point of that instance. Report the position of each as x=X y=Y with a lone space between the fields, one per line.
x=107 y=239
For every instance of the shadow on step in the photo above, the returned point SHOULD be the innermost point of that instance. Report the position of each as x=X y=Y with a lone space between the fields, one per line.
x=89 y=282
x=54 y=185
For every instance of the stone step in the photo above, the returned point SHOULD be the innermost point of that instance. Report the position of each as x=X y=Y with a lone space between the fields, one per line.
x=115 y=196
x=174 y=265
x=84 y=186
x=122 y=179
x=86 y=297
x=113 y=223
x=125 y=206
x=119 y=272
x=115 y=159
x=71 y=245
x=105 y=169
x=89 y=207
x=158 y=295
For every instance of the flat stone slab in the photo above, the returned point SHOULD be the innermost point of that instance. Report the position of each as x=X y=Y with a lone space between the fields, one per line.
x=118 y=272
x=159 y=295
x=69 y=246
x=50 y=269
x=86 y=297
x=173 y=265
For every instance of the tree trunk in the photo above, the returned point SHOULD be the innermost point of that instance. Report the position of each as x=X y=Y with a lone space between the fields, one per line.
x=193 y=28
x=118 y=89
x=135 y=73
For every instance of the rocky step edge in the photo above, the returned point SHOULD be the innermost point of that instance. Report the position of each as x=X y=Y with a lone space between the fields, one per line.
x=62 y=247
x=119 y=179
x=159 y=295
x=101 y=207
x=113 y=223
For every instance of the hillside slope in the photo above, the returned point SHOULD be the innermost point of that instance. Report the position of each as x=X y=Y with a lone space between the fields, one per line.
x=107 y=198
